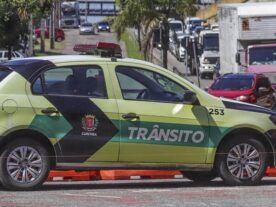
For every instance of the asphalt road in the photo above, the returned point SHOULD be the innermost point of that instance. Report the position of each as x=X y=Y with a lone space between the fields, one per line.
x=143 y=193
x=72 y=37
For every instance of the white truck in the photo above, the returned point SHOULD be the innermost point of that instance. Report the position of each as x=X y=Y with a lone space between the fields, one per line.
x=69 y=14
x=247 y=34
x=209 y=49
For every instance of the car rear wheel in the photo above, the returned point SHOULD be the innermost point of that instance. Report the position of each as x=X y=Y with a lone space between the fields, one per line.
x=25 y=165
x=242 y=161
x=200 y=176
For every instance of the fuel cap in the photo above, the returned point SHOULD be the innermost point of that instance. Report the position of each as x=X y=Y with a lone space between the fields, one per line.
x=9 y=106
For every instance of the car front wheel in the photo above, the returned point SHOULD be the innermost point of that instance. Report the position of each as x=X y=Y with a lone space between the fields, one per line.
x=24 y=165
x=242 y=161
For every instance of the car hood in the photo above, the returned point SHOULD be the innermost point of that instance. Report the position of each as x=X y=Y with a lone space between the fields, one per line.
x=237 y=105
x=229 y=93
x=210 y=53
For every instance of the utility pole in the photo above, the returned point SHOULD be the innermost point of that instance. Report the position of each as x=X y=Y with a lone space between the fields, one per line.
x=86 y=11
x=52 y=28
x=186 y=56
x=31 y=46
x=161 y=43
x=195 y=60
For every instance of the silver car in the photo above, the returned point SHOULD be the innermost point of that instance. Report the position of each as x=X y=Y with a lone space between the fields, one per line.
x=87 y=28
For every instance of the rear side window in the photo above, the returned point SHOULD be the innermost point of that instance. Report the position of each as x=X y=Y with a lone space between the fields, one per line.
x=4 y=73
x=75 y=81
x=56 y=79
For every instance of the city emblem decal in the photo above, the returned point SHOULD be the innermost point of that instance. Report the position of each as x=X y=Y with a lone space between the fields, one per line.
x=89 y=124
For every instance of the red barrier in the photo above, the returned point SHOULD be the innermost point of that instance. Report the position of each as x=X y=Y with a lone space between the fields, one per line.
x=147 y=174
x=271 y=172
x=73 y=175
x=122 y=174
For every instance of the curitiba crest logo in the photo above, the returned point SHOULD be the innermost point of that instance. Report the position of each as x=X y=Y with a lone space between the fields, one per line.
x=89 y=122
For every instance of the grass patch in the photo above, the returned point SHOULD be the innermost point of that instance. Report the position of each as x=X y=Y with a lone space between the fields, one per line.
x=46 y=53
x=58 y=45
x=131 y=46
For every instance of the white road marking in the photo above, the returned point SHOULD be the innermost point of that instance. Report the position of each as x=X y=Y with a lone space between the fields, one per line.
x=150 y=191
x=91 y=195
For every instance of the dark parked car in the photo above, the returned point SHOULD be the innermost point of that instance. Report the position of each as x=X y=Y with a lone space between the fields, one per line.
x=104 y=26
x=246 y=87
x=59 y=33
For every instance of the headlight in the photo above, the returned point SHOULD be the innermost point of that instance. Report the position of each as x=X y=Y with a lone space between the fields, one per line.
x=107 y=27
x=242 y=98
x=248 y=98
x=99 y=27
x=206 y=61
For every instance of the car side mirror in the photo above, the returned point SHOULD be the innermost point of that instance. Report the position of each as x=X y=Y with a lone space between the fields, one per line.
x=189 y=98
x=263 y=90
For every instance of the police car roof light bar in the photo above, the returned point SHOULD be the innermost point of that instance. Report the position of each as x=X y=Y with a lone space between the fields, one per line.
x=104 y=49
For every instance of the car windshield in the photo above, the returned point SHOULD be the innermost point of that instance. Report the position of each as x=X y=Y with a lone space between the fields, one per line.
x=262 y=56
x=175 y=26
x=195 y=22
x=86 y=25
x=235 y=83
x=211 y=42
x=103 y=23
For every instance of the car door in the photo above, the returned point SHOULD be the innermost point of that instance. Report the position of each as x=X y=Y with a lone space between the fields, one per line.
x=75 y=108
x=156 y=126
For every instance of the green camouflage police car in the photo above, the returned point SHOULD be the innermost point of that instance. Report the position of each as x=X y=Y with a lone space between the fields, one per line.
x=85 y=112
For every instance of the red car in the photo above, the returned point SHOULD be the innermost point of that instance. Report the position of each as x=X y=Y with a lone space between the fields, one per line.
x=59 y=33
x=245 y=87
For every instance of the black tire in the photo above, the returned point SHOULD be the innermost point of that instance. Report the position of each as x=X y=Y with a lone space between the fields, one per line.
x=42 y=171
x=200 y=176
x=243 y=178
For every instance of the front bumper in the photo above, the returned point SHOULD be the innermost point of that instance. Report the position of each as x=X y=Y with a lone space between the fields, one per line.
x=271 y=138
x=206 y=69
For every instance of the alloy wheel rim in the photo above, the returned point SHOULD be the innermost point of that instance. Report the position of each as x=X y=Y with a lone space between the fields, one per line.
x=24 y=164
x=243 y=161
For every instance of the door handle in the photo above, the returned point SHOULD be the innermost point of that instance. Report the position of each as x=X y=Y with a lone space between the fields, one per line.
x=130 y=116
x=50 y=111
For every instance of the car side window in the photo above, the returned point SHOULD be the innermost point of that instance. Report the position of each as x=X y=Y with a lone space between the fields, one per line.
x=94 y=84
x=59 y=81
x=76 y=80
x=142 y=84
x=37 y=86
x=129 y=91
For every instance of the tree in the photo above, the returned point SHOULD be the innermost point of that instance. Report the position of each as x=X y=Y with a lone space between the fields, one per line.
x=12 y=24
x=14 y=18
x=152 y=13
x=131 y=16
